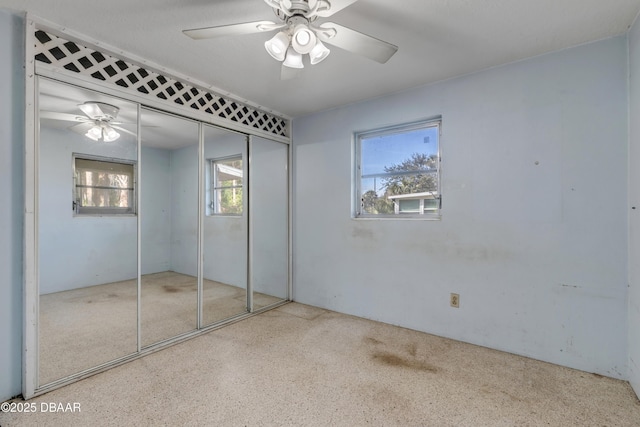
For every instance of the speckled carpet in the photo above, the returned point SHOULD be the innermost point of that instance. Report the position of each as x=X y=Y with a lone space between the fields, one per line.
x=303 y=366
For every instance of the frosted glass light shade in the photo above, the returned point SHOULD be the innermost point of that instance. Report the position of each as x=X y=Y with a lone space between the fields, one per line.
x=318 y=53
x=303 y=39
x=102 y=132
x=277 y=46
x=95 y=133
x=293 y=59
x=109 y=134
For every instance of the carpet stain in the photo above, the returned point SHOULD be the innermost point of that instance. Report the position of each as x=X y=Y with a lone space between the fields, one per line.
x=171 y=289
x=371 y=340
x=390 y=359
x=412 y=349
x=105 y=298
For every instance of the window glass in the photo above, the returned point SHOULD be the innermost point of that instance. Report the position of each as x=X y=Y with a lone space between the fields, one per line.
x=226 y=188
x=409 y=205
x=104 y=186
x=398 y=170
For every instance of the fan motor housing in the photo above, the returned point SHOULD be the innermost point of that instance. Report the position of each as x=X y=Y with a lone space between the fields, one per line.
x=299 y=9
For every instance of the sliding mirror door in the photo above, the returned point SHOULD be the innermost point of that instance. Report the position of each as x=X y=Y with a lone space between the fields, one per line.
x=269 y=201
x=86 y=230
x=169 y=226
x=144 y=238
x=224 y=225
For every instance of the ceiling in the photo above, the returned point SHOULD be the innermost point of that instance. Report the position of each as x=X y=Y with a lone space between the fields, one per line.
x=437 y=39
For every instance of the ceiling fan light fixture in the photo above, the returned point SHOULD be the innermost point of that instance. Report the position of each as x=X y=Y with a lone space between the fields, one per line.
x=277 y=46
x=303 y=40
x=95 y=133
x=102 y=132
x=301 y=33
x=318 y=53
x=109 y=134
x=293 y=59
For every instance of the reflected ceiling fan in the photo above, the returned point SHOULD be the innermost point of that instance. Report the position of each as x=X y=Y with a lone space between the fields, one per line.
x=98 y=123
x=300 y=34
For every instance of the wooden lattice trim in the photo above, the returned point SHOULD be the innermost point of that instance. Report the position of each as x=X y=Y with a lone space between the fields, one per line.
x=71 y=56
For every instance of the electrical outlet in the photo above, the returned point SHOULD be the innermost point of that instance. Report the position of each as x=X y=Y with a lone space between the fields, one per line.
x=454 y=300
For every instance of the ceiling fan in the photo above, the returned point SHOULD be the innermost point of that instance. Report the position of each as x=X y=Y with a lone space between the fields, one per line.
x=98 y=123
x=300 y=34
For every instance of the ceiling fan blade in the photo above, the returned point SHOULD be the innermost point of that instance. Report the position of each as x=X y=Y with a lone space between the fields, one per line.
x=282 y=5
x=231 y=30
x=52 y=115
x=288 y=73
x=120 y=128
x=81 y=128
x=357 y=42
x=334 y=7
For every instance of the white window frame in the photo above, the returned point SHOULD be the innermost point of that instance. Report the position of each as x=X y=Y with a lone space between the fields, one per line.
x=424 y=212
x=80 y=210
x=213 y=202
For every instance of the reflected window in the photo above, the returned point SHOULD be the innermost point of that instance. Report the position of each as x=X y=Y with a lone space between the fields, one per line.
x=103 y=186
x=226 y=196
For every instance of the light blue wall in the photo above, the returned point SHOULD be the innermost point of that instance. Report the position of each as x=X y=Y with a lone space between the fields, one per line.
x=79 y=251
x=634 y=201
x=184 y=205
x=534 y=228
x=269 y=203
x=12 y=201
x=156 y=210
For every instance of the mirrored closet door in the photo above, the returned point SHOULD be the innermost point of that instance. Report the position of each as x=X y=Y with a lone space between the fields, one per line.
x=169 y=226
x=269 y=230
x=87 y=229
x=149 y=227
x=225 y=231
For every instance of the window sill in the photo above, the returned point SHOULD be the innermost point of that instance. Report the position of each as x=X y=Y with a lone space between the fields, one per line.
x=398 y=217
x=101 y=215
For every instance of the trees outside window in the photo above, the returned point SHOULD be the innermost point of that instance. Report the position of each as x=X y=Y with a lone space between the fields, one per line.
x=398 y=171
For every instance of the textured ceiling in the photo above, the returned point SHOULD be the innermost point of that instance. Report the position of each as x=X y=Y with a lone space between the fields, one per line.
x=437 y=39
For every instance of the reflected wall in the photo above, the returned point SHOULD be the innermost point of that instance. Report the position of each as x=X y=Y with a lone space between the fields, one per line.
x=269 y=221
x=87 y=246
x=169 y=226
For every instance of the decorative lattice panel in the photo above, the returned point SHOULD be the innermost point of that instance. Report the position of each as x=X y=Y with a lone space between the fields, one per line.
x=74 y=57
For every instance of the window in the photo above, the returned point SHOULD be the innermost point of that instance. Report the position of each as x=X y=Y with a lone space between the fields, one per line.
x=397 y=171
x=226 y=186
x=103 y=186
